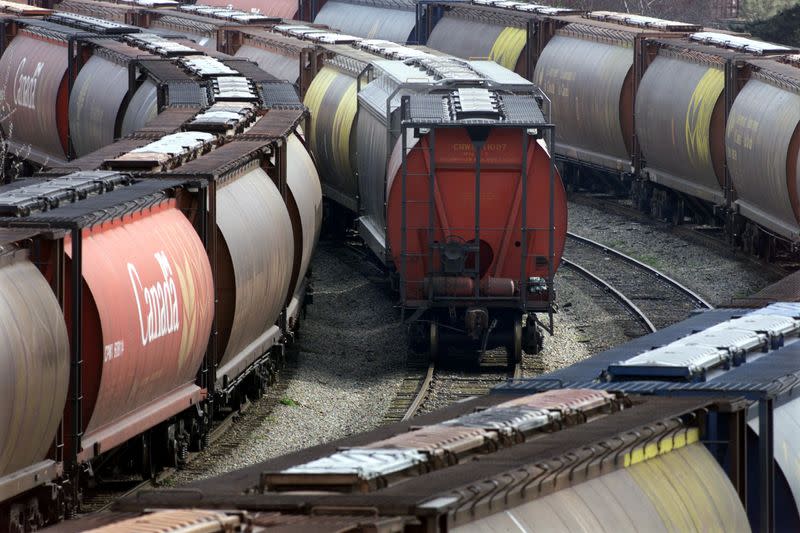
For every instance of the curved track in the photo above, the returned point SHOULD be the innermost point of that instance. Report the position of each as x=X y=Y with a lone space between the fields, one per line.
x=708 y=236
x=650 y=297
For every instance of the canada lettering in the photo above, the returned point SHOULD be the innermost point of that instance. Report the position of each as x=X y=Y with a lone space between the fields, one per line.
x=25 y=85
x=157 y=304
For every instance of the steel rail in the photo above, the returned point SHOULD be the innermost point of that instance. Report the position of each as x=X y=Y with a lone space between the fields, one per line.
x=422 y=392
x=696 y=298
x=637 y=313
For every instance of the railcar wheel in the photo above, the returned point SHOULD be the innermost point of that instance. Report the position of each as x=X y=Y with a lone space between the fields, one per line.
x=433 y=342
x=514 y=348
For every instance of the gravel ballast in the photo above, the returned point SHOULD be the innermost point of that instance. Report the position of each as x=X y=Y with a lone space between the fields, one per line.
x=718 y=278
x=350 y=362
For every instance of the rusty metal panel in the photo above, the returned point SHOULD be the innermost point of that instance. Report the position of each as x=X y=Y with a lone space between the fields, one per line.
x=394 y=24
x=506 y=420
x=681 y=125
x=34 y=365
x=141 y=109
x=306 y=193
x=564 y=400
x=177 y=521
x=257 y=245
x=297 y=523
x=285 y=9
x=437 y=440
x=763 y=153
x=590 y=84
x=33 y=88
x=283 y=67
x=94 y=103
x=147 y=312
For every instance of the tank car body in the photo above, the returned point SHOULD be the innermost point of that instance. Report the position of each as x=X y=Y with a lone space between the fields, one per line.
x=763 y=148
x=147 y=310
x=33 y=73
x=698 y=139
x=35 y=358
x=274 y=53
x=202 y=30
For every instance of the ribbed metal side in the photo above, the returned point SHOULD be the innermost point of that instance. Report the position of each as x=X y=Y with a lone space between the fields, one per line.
x=281 y=66
x=306 y=193
x=370 y=22
x=464 y=38
x=331 y=99
x=590 y=84
x=680 y=123
x=787 y=425
x=257 y=237
x=682 y=490
x=34 y=365
x=372 y=155
x=141 y=109
x=763 y=153
x=94 y=103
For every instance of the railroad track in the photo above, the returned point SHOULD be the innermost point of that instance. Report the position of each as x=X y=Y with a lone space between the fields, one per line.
x=429 y=385
x=651 y=298
x=707 y=236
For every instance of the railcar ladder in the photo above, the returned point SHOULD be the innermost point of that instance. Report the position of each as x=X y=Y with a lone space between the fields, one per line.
x=431 y=230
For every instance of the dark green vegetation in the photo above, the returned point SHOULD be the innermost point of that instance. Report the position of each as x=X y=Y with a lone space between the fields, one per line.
x=781 y=28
